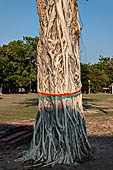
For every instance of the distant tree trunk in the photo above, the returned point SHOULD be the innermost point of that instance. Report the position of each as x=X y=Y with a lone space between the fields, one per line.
x=60 y=131
x=0 y=89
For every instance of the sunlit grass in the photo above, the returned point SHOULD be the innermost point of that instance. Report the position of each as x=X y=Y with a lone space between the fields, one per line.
x=18 y=107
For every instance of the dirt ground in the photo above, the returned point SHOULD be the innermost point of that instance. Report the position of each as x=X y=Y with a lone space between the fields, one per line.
x=103 y=157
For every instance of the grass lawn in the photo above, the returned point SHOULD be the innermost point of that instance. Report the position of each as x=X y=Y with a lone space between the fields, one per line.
x=22 y=108
x=101 y=103
x=18 y=108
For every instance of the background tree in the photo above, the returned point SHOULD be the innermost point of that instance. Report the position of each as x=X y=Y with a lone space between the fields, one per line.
x=85 y=76
x=99 y=78
x=60 y=132
x=100 y=74
x=18 y=65
x=106 y=65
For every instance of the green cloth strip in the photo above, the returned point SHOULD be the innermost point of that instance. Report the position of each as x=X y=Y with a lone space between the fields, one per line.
x=57 y=97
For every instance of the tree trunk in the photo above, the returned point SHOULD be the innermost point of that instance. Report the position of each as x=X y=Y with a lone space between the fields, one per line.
x=60 y=131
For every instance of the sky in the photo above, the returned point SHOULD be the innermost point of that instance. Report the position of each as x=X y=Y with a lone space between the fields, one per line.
x=19 y=18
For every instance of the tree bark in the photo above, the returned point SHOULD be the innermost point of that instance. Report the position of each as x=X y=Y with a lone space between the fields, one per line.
x=60 y=131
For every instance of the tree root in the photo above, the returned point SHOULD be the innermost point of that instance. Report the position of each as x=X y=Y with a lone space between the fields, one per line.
x=59 y=137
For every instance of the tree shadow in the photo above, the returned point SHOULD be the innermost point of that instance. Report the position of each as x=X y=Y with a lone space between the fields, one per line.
x=92 y=105
x=30 y=102
x=14 y=135
x=86 y=104
x=102 y=110
x=9 y=129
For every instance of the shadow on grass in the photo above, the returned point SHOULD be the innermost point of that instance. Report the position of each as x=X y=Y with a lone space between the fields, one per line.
x=102 y=110
x=30 y=102
x=86 y=104
x=93 y=105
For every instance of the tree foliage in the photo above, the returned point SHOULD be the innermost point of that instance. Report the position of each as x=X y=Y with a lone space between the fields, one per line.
x=100 y=74
x=18 y=65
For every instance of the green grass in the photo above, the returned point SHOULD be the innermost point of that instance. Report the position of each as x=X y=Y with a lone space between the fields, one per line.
x=101 y=103
x=18 y=107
